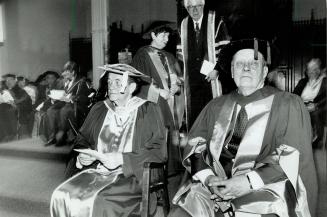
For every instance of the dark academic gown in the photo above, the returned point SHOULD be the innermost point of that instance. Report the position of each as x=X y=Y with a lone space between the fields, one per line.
x=318 y=116
x=143 y=62
x=23 y=102
x=288 y=124
x=59 y=112
x=200 y=92
x=123 y=198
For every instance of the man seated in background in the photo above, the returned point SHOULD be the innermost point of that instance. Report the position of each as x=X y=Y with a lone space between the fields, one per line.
x=46 y=82
x=313 y=90
x=22 y=103
x=249 y=152
x=73 y=105
x=8 y=114
x=31 y=90
x=118 y=136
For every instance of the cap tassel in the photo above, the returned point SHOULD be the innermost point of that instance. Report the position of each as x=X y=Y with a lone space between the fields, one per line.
x=256 y=47
x=124 y=82
x=268 y=54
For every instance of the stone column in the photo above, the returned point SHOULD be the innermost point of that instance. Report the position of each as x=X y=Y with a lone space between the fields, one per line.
x=99 y=10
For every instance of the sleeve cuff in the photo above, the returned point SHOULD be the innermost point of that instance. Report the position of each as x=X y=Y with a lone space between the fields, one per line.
x=153 y=94
x=127 y=170
x=78 y=164
x=202 y=175
x=255 y=180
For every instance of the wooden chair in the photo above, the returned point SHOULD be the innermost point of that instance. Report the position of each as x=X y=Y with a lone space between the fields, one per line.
x=155 y=179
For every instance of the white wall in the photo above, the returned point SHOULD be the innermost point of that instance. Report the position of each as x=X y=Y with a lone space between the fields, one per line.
x=138 y=12
x=37 y=34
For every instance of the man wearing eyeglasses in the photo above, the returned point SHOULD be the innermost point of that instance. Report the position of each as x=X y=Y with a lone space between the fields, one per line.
x=202 y=35
x=249 y=152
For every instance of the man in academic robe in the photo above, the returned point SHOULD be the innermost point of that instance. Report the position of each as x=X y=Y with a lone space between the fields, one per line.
x=22 y=103
x=73 y=106
x=118 y=136
x=313 y=91
x=203 y=33
x=249 y=152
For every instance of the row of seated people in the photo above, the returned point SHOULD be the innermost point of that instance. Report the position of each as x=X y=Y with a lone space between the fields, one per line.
x=248 y=153
x=44 y=107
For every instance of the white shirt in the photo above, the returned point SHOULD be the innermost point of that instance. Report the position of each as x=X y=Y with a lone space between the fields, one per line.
x=199 y=22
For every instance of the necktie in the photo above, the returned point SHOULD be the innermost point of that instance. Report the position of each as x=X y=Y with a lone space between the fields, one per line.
x=240 y=126
x=197 y=31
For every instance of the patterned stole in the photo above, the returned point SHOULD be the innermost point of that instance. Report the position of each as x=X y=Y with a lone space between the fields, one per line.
x=163 y=71
x=76 y=196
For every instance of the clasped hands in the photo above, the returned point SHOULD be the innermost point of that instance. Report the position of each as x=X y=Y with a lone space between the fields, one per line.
x=166 y=94
x=223 y=189
x=110 y=160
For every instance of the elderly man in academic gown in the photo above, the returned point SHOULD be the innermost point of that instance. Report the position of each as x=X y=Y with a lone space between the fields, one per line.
x=249 y=152
x=203 y=34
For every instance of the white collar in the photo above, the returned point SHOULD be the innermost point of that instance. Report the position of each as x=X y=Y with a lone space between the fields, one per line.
x=199 y=22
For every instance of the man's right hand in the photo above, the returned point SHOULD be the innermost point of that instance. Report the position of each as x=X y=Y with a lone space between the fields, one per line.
x=216 y=195
x=85 y=159
x=164 y=93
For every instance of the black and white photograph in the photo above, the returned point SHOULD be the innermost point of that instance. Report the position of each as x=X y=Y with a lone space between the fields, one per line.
x=163 y=108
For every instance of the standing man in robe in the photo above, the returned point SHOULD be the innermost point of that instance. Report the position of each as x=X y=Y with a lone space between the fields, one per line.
x=203 y=33
x=249 y=152
x=118 y=136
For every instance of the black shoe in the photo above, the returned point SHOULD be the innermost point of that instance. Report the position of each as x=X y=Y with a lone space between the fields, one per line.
x=50 y=142
x=60 y=138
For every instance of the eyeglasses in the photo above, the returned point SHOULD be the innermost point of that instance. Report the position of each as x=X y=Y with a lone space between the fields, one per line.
x=192 y=7
x=115 y=83
x=253 y=65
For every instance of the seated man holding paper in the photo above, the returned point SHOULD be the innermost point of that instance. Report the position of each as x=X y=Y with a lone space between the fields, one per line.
x=117 y=137
x=249 y=152
x=71 y=103
x=19 y=101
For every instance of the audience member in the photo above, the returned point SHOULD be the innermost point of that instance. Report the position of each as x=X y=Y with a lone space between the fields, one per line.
x=72 y=106
x=23 y=105
x=312 y=90
x=46 y=82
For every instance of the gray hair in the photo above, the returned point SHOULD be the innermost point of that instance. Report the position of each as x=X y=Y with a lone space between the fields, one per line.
x=315 y=61
x=187 y=2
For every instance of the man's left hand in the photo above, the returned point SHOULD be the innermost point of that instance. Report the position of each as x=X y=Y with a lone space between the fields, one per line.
x=212 y=75
x=233 y=187
x=174 y=89
x=112 y=160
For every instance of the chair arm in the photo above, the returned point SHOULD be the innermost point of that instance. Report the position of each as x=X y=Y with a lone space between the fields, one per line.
x=153 y=165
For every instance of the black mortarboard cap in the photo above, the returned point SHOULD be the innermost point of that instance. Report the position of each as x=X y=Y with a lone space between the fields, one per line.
x=164 y=25
x=258 y=45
